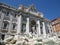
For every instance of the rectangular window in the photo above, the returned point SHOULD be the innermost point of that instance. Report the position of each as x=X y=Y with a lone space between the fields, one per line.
x=5 y=26
x=14 y=27
x=7 y=14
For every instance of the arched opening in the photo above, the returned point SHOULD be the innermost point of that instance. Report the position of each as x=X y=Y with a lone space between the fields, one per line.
x=33 y=26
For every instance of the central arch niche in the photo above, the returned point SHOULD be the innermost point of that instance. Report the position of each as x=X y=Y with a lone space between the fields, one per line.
x=33 y=26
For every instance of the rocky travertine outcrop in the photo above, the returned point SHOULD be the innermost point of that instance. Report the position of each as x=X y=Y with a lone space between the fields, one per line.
x=29 y=39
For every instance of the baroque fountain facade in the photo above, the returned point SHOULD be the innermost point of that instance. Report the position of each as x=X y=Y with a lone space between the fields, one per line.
x=25 y=26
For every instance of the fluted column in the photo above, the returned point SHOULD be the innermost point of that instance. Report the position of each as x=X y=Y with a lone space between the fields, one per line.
x=38 y=28
x=44 y=30
x=19 y=20
x=27 y=26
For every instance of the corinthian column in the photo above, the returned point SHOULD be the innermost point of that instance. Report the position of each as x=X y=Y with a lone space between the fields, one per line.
x=44 y=30
x=27 y=26
x=19 y=20
x=38 y=28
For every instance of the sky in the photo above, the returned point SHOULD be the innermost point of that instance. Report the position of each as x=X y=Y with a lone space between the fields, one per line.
x=50 y=8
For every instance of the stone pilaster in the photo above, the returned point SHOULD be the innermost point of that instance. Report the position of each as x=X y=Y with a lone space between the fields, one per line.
x=27 y=26
x=10 y=24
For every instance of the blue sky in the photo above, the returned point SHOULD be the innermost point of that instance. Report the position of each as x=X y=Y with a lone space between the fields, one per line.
x=50 y=8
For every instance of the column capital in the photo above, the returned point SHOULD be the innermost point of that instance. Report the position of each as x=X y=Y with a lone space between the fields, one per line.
x=27 y=18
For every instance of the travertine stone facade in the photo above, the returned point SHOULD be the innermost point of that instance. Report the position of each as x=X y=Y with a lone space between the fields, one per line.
x=23 y=20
